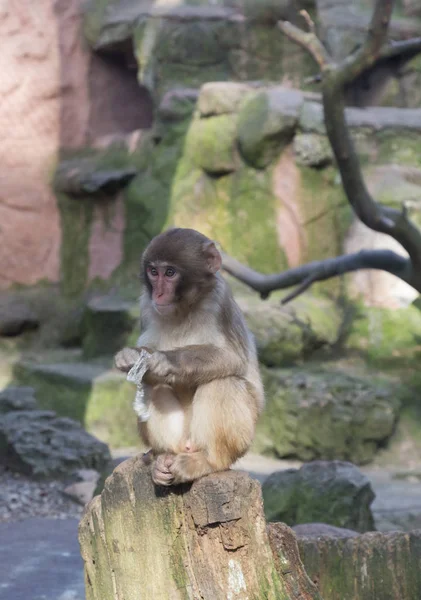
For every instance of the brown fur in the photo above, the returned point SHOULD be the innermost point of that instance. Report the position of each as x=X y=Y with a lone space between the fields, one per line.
x=203 y=385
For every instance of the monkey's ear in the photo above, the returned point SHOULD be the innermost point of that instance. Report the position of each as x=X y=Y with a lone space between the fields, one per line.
x=212 y=256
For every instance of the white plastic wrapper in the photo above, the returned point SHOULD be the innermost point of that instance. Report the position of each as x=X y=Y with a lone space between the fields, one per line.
x=135 y=375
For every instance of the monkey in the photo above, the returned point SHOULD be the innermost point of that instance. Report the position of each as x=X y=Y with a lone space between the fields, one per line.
x=202 y=386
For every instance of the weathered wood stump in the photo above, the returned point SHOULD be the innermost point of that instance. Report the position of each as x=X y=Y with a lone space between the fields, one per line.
x=204 y=541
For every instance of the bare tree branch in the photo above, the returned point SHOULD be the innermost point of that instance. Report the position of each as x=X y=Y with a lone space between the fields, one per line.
x=369 y=52
x=307 y=40
x=305 y=275
x=334 y=79
x=401 y=48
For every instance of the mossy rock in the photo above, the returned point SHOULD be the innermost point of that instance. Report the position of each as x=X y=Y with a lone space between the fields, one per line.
x=238 y=210
x=109 y=324
x=222 y=97
x=211 y=144
x=311 y=414
x=93 y=394
x=332 y=492
x=266 y=124
x=387 y=336
x=312 y=150
x=289 y=334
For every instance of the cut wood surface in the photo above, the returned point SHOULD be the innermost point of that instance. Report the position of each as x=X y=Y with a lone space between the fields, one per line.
x=200 y=541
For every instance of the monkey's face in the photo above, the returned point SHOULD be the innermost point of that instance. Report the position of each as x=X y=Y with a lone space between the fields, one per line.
x=178 y=268
x=164 y=280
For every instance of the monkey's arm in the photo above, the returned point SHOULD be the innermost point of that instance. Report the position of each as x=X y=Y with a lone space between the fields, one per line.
x=195 y=365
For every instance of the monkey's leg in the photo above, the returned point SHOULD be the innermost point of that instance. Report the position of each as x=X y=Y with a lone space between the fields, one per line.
x=224 y=413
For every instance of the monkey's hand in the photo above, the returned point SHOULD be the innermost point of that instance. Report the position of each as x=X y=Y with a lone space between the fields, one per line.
x=126 y=358
x=160 y=370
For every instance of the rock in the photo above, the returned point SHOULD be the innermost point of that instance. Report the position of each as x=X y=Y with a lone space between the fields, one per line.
x=312 y=150
x=411 y=8
x=108 y=324
x=266 y=124
x=316 y=530
x=335 y=493
x=372 y=566
x=17 y=398
x=40 y=444
x=343 y=26
x=16 y=316
x=210 y=144
x=222 y=97
x=93 y=394
x=81 y=492
x=178 y=104
x=380 y=333
x=85 y=177
x=189 y=44
x=377 y=118
x=313 y=414
x=287 y=334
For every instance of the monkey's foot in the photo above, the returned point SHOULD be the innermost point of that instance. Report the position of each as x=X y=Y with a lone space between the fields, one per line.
x=161 y=470
x=188 y=466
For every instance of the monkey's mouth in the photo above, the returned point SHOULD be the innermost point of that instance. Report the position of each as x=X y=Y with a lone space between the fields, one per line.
x=163 y=309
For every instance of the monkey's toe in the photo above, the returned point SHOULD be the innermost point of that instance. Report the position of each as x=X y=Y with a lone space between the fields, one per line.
x=161 y=471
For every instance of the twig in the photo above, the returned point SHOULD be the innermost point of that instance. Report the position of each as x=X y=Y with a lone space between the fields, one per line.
x=308 y=20
x=307 y=40
x=307 y=283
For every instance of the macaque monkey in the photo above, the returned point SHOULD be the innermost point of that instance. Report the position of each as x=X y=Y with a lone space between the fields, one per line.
x=202 y=387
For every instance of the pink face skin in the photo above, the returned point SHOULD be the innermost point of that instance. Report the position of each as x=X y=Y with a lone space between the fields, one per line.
x=164 y=279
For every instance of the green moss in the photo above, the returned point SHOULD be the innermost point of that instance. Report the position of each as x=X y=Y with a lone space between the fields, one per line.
x=265 y=125
x=76 y=221
x=326 y=217
x=211 y=144
x=403 y=148
x=108 y=325
x=312 y=414
x=387 y=337
x=238 y=210
x=290 y=334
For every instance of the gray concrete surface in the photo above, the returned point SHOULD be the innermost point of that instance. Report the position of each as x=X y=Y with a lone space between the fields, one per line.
x=40 y=560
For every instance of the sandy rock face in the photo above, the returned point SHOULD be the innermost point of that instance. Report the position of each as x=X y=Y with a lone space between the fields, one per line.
x=29 y=129
x=53 y=94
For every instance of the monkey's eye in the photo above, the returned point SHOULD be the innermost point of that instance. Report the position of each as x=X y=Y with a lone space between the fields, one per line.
x=152 y=271
x=170 y=272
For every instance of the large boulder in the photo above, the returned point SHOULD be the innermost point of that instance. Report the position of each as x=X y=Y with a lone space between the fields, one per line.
x=17 y=398
x=266 y=124
x=336 y=493
x=314 y=414
x=189 y=43
x=91 y=392
x=40 y=444
x=288 y=334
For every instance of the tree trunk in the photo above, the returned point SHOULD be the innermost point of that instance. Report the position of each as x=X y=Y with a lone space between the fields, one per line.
x=204 y=541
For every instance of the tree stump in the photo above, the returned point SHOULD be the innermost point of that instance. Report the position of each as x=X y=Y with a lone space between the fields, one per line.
x=205 y=540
